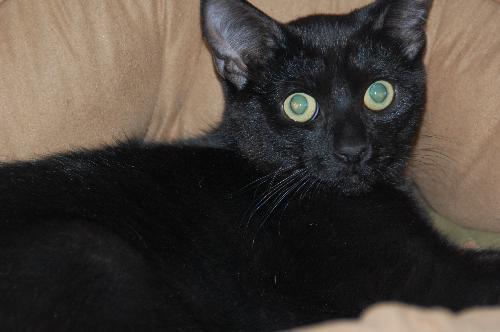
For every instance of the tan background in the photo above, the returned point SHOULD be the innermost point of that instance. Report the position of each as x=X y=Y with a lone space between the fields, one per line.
x=392 y=317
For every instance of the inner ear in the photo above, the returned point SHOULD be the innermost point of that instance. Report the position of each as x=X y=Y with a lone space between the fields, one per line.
x=241 y=38
x=404 y=21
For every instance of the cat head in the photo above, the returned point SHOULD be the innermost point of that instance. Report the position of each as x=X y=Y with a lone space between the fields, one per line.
x=339 y=98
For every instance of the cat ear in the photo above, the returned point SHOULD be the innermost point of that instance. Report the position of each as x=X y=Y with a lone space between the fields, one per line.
x=404 y=20
x=241 y=37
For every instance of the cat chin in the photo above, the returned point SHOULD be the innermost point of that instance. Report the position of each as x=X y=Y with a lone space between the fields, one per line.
x=349 y=181
x=353 y=186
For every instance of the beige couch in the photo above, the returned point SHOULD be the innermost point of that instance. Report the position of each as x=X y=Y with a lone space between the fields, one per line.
x=87 y=73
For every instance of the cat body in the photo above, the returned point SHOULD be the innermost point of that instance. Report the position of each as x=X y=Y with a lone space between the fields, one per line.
x=97 y=252
x=270 y=221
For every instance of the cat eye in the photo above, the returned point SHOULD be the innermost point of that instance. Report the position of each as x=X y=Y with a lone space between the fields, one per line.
x=379 y=96
x=300 y=107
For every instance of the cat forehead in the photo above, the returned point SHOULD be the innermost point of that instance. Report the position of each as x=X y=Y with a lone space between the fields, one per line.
x=331 y=51
x=334 y=43
x=325 y=31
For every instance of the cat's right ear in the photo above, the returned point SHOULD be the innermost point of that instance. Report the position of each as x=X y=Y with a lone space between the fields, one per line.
x=241 y=38
x=404 y=21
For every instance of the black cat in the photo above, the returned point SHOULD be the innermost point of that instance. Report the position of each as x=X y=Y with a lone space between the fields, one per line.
x=293 y=211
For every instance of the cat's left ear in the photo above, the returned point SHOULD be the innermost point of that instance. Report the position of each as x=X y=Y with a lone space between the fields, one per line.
x=241 y=38
x=405 y=20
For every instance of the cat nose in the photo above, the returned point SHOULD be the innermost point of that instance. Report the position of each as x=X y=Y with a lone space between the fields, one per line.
x=352 y=153
x=350 y=139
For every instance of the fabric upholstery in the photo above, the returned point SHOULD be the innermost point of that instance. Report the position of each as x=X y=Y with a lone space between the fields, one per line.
x=76 y=73
x=392 y=317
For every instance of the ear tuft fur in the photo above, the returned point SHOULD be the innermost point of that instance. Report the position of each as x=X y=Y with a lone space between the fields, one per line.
x=405 y=20
x=240 y=37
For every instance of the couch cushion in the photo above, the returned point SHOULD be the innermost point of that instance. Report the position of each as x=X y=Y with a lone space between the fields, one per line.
x=93 y=72
x=457 y=157
x=391 y=317
x=76 y=73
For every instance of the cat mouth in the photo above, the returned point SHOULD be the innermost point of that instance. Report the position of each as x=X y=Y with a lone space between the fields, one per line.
x=352 y=180
x=343 y=178
x=354 y=185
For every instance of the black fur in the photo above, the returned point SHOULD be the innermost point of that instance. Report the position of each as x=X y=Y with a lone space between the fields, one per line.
x=259 y=225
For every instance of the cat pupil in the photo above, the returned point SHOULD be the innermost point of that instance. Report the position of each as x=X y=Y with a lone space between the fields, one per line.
x=298 y=104
x=378 y=92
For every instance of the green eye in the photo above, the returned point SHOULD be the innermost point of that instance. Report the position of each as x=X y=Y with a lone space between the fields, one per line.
x=379 y=95
x=300 y=107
